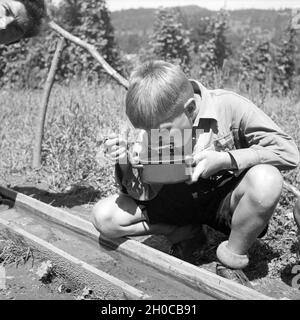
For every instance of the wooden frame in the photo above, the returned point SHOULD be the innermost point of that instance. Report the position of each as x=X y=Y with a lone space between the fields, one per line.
x=109 y=285
x=194 y=276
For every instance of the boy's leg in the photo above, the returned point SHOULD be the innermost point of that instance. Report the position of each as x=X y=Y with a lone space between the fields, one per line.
x=252 y=202
x=119 y=215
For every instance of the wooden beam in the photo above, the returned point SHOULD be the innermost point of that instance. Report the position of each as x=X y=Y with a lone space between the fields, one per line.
x=130 y=291
x=187 y=273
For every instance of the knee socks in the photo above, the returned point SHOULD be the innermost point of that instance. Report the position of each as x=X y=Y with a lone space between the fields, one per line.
x=231 y=259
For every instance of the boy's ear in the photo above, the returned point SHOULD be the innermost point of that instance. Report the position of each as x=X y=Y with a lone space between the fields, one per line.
x=190 y=108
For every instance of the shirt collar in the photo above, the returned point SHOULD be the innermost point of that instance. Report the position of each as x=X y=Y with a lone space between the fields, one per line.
x=204 y=102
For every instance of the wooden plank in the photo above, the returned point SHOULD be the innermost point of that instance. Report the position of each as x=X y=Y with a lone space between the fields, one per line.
x=192 y=275
x=124 y=287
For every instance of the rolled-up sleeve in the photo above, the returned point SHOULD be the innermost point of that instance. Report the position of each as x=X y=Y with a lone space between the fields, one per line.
x=264 y=142
x=130 y=182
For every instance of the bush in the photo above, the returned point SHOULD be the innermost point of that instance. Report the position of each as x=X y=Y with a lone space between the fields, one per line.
x=170 y=41
x=211 y=48
x=284 y=69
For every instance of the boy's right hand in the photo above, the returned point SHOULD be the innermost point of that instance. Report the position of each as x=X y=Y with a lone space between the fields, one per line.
x=115 y=148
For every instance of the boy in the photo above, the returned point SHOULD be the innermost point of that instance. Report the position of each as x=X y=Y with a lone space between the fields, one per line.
x=20 y=19
x=235 y=185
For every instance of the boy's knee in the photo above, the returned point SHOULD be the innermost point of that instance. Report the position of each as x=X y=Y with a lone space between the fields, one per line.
x=264 y=185
x=103 y=213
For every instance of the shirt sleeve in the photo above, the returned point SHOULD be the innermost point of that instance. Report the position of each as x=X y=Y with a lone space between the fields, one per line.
x=263 y=141
x=129 y=180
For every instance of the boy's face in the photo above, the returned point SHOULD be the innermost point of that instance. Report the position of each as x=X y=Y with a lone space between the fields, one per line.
x=182 y=124
x=13 y=17
x=183 y=121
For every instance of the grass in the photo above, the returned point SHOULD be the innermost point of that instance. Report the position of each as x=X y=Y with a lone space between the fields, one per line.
x=14 y=251
x=281 y=242
x=79 y=116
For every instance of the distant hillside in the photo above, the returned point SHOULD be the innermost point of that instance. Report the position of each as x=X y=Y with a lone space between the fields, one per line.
x=133 y=26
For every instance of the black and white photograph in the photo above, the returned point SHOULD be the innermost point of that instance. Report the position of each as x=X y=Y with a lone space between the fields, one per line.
x=149 y=153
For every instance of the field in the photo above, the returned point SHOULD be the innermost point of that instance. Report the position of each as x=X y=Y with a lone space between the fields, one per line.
x=78 y=117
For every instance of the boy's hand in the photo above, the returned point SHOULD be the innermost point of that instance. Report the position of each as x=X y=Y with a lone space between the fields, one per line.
x=115 y=148
x=207 y=163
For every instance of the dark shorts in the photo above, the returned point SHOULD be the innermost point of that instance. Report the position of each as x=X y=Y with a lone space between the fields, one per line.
x=205 y=202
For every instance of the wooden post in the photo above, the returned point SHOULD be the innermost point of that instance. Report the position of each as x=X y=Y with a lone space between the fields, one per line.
x=43 y=108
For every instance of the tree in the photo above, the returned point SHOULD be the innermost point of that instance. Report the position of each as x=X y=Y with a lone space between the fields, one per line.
x=213 y=46
x=2 y=60
x=247 y=62
x=201 y=33
x=69 y=14
x=96 y=28
x=90 y=21
x=262 y=63
x=22 y=65
x=284 y=69
x=51 y=77
x=207 y=59
x=170 y=41
x=26 y=63
x=222 y=47
x=255 y=63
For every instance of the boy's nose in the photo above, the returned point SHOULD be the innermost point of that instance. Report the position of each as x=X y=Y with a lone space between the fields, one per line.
x=5 y=21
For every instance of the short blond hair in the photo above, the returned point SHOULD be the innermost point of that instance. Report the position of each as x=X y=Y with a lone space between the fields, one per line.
x=157 y=91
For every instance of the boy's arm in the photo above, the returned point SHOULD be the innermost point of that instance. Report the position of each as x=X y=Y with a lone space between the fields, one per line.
x=265 y=142
x=129 y=181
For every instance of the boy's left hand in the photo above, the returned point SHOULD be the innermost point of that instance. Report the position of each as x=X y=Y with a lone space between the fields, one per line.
x=207 y=163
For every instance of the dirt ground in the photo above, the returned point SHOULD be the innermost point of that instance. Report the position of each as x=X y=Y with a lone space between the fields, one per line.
x=24 y=277
x=22 y=283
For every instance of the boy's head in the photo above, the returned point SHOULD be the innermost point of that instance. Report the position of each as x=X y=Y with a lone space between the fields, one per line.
x=160 y=96
x=20 y=19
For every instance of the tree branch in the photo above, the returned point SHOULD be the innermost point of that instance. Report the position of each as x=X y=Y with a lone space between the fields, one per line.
x=92 y=50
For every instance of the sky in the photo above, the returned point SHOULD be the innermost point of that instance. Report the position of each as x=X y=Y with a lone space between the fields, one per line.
x=114 y=5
